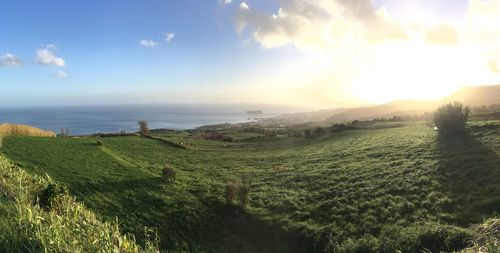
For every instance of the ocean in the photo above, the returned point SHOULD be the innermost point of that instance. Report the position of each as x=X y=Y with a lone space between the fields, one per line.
x=81 y=120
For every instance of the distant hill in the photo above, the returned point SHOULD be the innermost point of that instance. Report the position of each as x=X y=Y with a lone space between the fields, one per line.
x=471 y=96
x=477 y=96
x=402 y=107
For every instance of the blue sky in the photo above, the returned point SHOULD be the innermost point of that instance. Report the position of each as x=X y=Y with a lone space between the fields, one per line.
x=207 y=61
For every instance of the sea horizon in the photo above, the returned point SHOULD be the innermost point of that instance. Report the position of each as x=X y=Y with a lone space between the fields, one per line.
x=90 y=119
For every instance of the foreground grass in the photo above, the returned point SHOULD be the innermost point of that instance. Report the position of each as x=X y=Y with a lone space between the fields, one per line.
x=356 y=191
x=64 y=227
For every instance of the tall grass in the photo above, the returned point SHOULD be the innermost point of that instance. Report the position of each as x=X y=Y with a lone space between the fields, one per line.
x=66 y=227
x=488 y=237
x=11 y=129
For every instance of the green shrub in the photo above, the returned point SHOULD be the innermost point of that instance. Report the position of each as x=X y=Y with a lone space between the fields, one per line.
x=244 y=194
x=169 y=174
x=49 y=194
x=99 y=142
x=451 y=118
x=231 y=192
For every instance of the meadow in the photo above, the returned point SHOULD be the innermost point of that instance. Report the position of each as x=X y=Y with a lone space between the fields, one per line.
x=376 y=189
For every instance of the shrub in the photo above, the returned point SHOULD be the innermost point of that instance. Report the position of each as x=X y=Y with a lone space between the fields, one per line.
x=319 y=131
x=451 y=118
x=231 y=191
x=99 y=142
x=143 y=128
x=244 y=194
x=307 y=133
x=50 y=193
x=169 y=174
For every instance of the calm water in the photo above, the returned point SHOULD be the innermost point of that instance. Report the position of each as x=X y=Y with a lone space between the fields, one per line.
x=93 y=119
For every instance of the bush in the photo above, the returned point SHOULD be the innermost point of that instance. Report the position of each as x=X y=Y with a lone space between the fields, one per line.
x=244 y=194
x=99 y=142
x=231 y=191
x=169 y=174
x=319 y=131
x=451 y=118
x=307 y=133
x=239 y=191
x=50 y=193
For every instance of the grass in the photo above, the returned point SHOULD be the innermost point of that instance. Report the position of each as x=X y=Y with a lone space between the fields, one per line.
x=398 y=188
x=11 y=129
x=64 y=226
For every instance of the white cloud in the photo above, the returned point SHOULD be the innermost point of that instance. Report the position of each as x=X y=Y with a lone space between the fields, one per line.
x=169 y=36
x=9 y=59
x=244 y=6
x=148 y=43
x=62 y=74
x=319 y=23
x=46 y=56
x=353 y=47
x=442 y=34
x=225 y=1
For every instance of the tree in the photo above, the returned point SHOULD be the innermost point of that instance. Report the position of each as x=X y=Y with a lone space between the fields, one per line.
x=143 y=128
x=450 y=119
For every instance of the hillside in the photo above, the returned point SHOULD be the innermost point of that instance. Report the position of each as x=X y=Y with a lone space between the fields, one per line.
x=478 y=96
x=353 y=191
x=60 y=225
x=471 y=96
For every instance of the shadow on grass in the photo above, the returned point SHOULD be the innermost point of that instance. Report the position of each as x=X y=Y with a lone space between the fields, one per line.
x=241 y=231
x=185 y=222
x=469 y=173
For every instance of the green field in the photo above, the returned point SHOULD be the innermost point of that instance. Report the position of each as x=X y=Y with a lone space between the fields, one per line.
x=354 y=191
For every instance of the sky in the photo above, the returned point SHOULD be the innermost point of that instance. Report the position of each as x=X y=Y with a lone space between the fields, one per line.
x=321 y=53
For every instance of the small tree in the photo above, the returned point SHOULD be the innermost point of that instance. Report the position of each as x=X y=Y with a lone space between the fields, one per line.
x=231 y=191
x=169 y=174
x=451 y=118
x=143 y=128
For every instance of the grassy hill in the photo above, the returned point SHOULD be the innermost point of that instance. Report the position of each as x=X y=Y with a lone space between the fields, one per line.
x=27 y=224
x=354 y=191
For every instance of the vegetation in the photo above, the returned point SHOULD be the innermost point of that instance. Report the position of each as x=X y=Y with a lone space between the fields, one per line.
x=450 y=119
x=169 y=174
x=10 y=129
x=66 y=227
x=48 y=197
x=143 y=128
x=244 y=194
x=377 y=188
x=231 y=192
